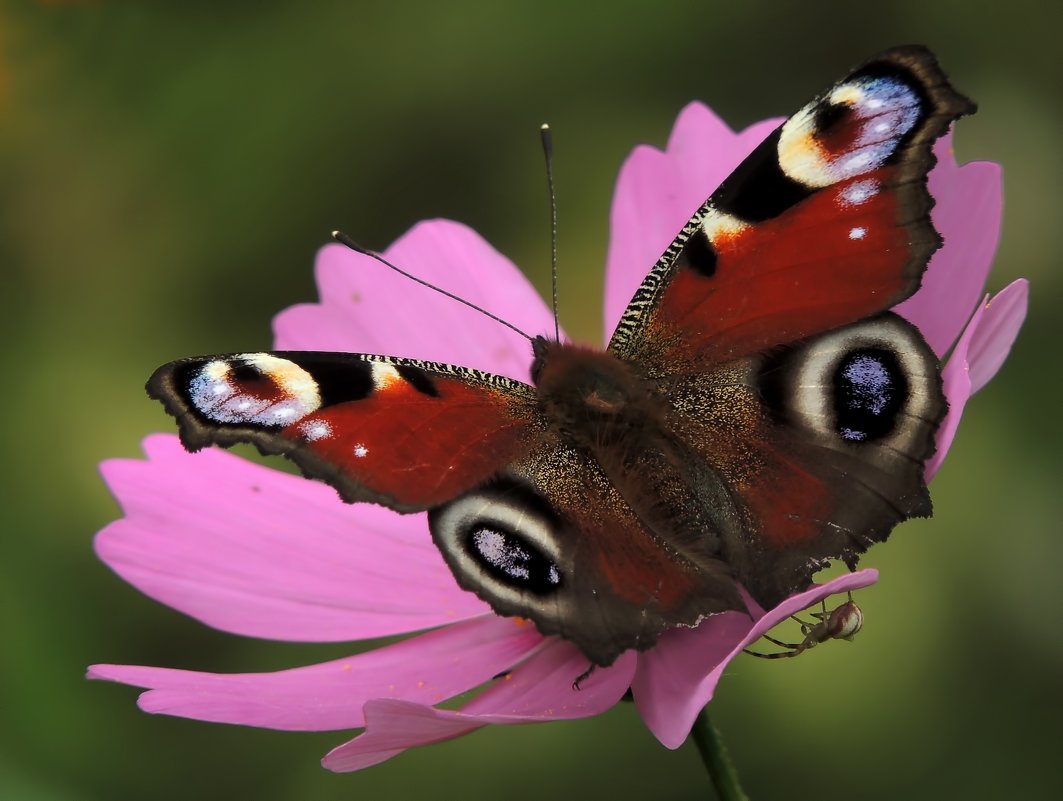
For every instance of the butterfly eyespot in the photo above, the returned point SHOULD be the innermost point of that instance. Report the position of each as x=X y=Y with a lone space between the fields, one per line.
x=252 y=389
x=869 y=391
x=502 y=540
x=849 y=132
x=864 y=383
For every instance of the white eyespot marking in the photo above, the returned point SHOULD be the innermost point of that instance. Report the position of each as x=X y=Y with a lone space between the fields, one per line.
x=857 y=162
x=857 y=233
x=849 y=94
x=361 y=451
x=253 y=389
x=289 y=376
x=497 y=550
x=217 y=369
x=858 y=192
x=313 y=430
x=384 y=375
x=878 y=113
x=800 y=156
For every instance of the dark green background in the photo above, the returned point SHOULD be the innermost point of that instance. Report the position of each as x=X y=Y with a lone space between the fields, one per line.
x=168 y=171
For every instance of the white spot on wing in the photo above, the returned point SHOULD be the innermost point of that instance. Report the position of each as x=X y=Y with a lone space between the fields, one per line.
x=361 y=451
x=314 y=430
x=857 y=233
x=857 y=162
x=858 y=192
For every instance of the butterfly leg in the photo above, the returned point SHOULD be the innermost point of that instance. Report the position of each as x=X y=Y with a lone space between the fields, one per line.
x=582 y=677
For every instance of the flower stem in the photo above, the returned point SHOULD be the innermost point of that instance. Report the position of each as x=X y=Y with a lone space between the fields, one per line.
x=717 y=762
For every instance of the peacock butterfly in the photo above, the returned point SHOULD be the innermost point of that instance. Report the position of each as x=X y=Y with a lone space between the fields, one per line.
x=757 y=413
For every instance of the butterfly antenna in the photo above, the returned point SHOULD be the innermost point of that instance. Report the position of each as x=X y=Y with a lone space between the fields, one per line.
x=548 y=154
x=343 y=239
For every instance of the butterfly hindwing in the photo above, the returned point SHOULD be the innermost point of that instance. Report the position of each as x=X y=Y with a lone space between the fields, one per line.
x=821 y=444
x=552 y=539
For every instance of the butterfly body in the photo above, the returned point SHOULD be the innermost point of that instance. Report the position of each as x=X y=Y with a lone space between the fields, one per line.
x=757 y=413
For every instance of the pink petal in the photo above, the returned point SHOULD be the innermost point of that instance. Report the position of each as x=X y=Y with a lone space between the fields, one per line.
x=995 y=335
x=367 y=308
x=258 y=552
x=675 y=680
x=428 y=668
x=394 y=726
x=979 y=353
x=657 y=193
x=538 y=690
x=967 y=213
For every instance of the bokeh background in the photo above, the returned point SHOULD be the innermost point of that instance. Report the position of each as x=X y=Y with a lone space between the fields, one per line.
x=168 y=172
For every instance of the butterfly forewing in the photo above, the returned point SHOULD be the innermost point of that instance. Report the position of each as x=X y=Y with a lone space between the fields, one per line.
x=404 y=433
x=825 y=223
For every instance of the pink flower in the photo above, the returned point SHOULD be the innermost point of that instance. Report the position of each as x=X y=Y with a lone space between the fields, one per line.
x=257 y=552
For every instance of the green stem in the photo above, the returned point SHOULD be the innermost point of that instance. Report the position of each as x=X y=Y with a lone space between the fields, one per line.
x=717 y=762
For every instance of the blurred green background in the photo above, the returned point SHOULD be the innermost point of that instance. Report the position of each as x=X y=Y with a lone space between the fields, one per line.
x=169 y=171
